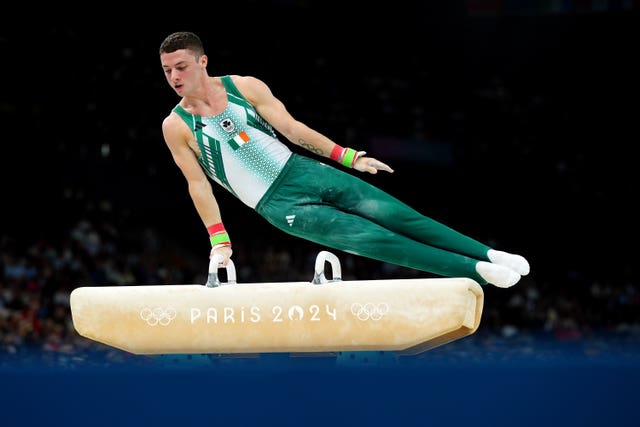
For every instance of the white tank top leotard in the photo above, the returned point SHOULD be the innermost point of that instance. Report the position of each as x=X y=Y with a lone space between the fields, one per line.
x=238 y=149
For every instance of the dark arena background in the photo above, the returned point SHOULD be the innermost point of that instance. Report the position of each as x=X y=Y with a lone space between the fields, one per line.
x=515 y=122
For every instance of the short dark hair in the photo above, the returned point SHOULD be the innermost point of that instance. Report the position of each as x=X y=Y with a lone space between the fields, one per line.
x=182 y=40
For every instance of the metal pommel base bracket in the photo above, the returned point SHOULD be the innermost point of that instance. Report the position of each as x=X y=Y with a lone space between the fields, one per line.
x=407 y=316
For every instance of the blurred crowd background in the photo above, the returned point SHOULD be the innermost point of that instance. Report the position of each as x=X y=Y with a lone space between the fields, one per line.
x=511 y=121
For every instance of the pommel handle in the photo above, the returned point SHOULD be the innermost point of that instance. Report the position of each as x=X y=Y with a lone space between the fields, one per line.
x=213 y=280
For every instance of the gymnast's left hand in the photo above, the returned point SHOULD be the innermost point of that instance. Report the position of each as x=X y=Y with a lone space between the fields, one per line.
x=369 y=164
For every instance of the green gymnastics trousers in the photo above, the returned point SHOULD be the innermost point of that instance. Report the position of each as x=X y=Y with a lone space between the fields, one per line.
x=331 y=207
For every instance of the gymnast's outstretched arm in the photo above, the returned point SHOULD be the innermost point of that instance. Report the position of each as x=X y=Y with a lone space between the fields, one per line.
x=275 y=112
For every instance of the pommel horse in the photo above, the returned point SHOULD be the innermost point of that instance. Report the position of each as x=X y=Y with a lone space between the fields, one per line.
x=407 y=316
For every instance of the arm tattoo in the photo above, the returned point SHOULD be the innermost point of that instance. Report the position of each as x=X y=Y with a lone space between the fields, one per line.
x=310 y=147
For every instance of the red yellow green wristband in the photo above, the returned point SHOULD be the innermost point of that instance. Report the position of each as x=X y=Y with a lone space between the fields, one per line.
x=346 y=156
x=218 y=235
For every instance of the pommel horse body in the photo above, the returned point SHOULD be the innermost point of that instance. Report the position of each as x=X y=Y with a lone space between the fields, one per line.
x=408 y=316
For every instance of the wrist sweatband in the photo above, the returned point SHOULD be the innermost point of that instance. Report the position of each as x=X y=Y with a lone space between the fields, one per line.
x=218 y=235
x=346 y=156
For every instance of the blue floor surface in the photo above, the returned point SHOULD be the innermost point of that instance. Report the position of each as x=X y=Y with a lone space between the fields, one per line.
x=472 y=382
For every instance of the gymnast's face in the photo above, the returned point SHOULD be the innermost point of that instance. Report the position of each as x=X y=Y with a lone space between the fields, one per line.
x=184 y=70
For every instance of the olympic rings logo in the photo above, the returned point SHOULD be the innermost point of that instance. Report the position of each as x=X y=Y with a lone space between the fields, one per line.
x=158 y=316
x=369 y=310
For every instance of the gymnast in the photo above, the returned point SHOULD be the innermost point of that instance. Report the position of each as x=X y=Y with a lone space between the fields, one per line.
x=224 y=130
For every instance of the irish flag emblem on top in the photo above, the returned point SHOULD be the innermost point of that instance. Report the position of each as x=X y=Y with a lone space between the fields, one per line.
x=239 y=140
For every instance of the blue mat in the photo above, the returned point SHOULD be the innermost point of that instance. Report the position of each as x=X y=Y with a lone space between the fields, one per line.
x=592 y=382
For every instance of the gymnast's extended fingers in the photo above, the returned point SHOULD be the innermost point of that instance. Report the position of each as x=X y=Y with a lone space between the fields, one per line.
x=374 y=165
x=371 y=165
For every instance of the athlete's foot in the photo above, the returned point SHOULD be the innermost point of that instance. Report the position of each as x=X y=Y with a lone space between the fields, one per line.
x=515 y=262
x=497 y=275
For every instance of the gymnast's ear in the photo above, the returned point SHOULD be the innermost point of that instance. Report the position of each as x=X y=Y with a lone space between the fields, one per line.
x=204 y=60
